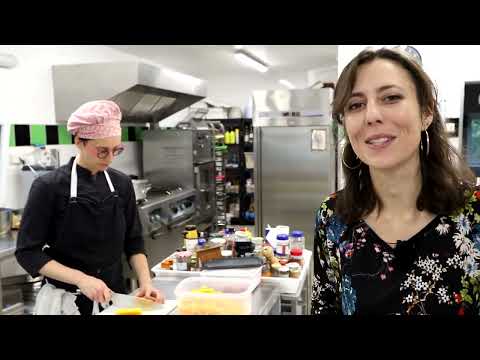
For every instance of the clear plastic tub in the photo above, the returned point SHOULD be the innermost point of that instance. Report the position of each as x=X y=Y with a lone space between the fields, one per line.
x=230 y=296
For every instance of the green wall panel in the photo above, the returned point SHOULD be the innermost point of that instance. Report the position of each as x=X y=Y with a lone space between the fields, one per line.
x=38 y=134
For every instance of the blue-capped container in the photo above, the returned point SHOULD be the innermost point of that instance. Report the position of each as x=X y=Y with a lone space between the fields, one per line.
x=297 y=240
x=282 y=249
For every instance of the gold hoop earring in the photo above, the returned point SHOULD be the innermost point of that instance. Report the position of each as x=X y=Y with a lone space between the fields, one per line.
x=428 y=143
x=346 y=165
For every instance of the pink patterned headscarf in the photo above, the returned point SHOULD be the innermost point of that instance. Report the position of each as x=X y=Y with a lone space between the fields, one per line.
x=96 y=120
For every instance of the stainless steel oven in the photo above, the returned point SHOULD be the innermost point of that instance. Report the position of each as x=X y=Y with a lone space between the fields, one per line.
x=186 y=158
x=205 y=183
x=163 y=216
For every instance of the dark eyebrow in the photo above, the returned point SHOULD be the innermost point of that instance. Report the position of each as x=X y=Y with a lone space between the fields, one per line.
x=106 y=147
x=380 y=89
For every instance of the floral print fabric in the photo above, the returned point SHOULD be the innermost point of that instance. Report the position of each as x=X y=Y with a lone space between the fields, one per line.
x=434 y=272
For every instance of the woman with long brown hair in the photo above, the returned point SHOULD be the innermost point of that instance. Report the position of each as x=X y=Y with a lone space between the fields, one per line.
x=403 y=235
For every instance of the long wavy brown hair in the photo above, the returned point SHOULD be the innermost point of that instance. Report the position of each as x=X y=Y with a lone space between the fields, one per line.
x=447 y=181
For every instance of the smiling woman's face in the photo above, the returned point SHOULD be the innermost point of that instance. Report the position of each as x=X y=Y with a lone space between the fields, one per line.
x=383 y=119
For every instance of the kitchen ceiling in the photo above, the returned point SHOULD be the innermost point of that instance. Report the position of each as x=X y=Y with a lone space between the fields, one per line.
x=214 y=61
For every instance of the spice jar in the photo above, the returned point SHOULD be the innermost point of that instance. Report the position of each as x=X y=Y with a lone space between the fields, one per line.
x=243 y=244
x=258 y=241
x=190 y=237
x=283 y=272
x=181 y=260
x=275 y=269
x=282 y=249
x=294 y=270
x=296 y=256
x=297 y=240
x=192 y=264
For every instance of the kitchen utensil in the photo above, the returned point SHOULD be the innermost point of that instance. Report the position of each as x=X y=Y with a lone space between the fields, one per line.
x=129 y=301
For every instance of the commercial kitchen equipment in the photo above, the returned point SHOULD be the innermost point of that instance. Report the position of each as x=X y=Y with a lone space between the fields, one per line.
x=469 y=126
x=295 y=157
x=183 y=157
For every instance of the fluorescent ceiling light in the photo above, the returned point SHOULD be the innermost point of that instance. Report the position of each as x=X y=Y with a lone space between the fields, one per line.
x=286 y=83
x=250 y=61
x=8 y=61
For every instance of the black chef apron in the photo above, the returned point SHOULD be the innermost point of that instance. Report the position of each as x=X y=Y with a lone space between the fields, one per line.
x=91 y=227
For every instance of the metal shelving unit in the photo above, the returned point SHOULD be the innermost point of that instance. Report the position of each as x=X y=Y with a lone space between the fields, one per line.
x=220 y=194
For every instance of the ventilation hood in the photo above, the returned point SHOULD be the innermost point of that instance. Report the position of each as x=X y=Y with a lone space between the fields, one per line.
x=145 y=93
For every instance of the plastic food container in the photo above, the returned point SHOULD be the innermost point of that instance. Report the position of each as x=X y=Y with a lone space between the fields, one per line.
x=220 y=296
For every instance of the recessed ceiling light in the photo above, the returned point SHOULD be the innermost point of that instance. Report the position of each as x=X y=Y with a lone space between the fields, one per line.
x=249 y=60
x=8 y=61
x=286 y=83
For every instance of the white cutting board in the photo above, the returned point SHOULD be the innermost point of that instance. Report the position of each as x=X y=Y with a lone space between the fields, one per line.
x=160 y=309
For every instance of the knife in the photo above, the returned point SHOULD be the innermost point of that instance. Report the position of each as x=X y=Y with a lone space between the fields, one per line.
x=129 y=301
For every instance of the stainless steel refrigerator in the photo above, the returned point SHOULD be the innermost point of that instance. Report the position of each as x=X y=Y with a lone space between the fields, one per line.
x=295 y=157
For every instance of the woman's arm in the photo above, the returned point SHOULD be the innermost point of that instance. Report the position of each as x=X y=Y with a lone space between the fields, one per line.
x=140 y=265
x=93 y=288
x=38 y=217
x=34 y=231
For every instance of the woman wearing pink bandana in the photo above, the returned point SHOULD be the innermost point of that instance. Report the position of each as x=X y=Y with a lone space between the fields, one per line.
x=81 y=218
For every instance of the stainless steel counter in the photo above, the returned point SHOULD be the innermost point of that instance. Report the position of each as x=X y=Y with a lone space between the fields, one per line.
x=265 y=298
x=8 y=244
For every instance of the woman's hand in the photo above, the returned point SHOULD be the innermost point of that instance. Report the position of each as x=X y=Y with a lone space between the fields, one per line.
x=95 y=289
x=147 y=291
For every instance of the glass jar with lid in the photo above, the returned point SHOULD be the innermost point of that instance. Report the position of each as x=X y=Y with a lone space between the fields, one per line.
x=258 y=241
x=182 y=259
x=296 y=256
x=282 y=250
x=229 y=236
x=294 y=269
x=190 y=237
x=283 y=272
x=297 y=240
x=243 y=244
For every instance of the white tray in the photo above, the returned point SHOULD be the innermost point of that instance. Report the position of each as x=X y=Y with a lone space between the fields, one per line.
x=284 y=285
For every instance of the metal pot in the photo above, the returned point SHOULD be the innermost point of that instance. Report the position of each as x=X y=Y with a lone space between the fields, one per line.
x=5 y=221
x=141 y=188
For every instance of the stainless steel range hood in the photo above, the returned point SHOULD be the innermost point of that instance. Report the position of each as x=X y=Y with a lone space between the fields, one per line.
x=145 y=93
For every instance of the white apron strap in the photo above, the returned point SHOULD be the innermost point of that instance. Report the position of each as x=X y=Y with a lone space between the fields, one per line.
x=110 y=185
x=74 y=180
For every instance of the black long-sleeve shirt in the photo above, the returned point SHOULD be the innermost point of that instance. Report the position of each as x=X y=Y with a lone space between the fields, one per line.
x=46 y=207
x=436 y=271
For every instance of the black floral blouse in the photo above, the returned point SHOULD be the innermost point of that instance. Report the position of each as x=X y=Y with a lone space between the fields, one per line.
x=434 y=272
